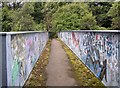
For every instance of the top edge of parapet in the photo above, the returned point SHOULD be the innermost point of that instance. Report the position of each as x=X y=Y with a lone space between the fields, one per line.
x=21 y=32
x=111 y=31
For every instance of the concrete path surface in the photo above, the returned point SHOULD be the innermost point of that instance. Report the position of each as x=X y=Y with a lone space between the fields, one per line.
x=58 y=69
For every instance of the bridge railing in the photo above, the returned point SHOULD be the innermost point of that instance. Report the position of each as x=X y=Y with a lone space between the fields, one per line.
x=20 y=51
x=98 y=50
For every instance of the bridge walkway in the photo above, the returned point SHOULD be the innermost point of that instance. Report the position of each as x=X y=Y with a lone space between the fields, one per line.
x=58 y=69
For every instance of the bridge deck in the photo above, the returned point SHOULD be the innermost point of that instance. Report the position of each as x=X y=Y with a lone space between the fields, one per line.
x=58 y=69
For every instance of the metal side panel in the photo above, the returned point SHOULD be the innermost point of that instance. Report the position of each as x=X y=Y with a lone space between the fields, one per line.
x=119 y=59
x=0 y=61
x=4 y=67
x=9 y=57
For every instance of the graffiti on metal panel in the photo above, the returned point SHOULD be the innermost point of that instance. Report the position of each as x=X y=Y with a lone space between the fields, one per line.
x=92 y=47
x=99 y=51
x=26 y=49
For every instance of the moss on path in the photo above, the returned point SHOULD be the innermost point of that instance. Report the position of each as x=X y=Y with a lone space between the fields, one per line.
x=38 y=75
x=58 y=69
x=82 y=74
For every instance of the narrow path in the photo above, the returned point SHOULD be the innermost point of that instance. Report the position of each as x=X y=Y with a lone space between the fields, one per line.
x=58 y=69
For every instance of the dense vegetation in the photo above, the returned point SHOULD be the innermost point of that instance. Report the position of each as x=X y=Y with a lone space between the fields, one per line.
x=0 y=19
x=57 y=16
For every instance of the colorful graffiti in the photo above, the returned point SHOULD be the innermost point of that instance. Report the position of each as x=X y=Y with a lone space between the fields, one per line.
x=25 y=49
x=98 y=51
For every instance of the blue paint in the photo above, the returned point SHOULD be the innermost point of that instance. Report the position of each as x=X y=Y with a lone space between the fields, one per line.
x=97 y=50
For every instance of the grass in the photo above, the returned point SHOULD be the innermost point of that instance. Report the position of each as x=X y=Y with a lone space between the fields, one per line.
x=82 y=74
x=38 y=75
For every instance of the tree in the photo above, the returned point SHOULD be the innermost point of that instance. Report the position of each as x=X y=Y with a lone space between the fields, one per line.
x=22 y=19
x=114 y=12
x=74 y=16
x=49 y=9
x=57 y=16
x=6 y=20
x=99 y=10
x=38 y=14
x=0 y=19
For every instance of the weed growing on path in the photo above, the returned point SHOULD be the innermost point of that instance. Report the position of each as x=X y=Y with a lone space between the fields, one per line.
x=82 y=74
x=38 y=75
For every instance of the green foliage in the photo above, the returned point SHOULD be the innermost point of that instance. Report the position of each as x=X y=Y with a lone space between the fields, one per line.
x=38 y=14
x=100 y=28
x=6 y=20
x=49 y=9
x=26 y=23
x=114 y=12
x=28 y=8
x=99 y=10
x=74 y=16
x=40 y=27
x=21 y=18
x=0 y=19
x=58 y=16
x=88 y=21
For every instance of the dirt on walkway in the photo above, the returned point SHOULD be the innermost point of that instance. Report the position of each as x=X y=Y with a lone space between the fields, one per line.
x=58 y=69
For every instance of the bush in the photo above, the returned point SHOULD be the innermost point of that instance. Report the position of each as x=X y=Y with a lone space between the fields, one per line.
x=99 y=28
